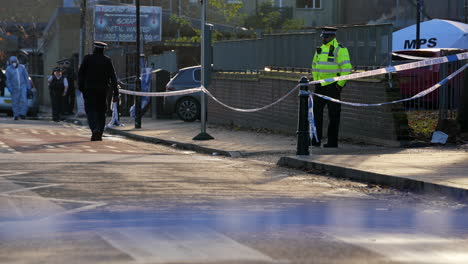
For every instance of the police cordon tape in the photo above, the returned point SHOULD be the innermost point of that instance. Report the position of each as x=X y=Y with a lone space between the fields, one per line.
x=407 y=66
x=311 y=118
x=401 y=67
x=160 y=94
x=418 y=95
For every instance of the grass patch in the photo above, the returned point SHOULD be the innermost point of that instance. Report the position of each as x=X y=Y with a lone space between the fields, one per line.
x=422 y=124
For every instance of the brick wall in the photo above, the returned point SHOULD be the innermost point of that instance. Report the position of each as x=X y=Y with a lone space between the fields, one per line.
x=385 y=125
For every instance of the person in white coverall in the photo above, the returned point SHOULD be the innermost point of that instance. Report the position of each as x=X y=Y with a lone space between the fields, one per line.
x=17 y=80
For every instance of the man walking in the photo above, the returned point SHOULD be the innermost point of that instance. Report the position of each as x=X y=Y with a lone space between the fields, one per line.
x=17 y=80
x=331 y=60
x=95 y=77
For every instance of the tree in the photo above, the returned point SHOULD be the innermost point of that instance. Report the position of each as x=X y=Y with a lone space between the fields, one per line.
x=269 y=19
x=218 y=12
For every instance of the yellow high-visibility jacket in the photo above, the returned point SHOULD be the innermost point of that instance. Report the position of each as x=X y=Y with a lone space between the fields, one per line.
x=331 y=60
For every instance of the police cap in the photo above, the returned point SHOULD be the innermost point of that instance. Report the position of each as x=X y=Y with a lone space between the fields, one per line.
x=100 y=44
x=64 y=61
x=328 y=32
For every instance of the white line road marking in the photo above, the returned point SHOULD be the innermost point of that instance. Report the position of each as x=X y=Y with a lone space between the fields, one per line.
x=50 y=199
x=13 y=205
x=12 y=173
x=87 y=205
x=407 y=247
x=176 y=245
x=30 y=188
x=5 y=147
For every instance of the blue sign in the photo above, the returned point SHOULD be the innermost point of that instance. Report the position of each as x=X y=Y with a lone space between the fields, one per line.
x=118 y=23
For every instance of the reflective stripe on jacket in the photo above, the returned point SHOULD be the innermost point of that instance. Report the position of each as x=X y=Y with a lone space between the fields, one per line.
x=329 y=64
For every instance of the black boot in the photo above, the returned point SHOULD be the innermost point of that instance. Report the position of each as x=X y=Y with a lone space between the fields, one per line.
x=96 y=136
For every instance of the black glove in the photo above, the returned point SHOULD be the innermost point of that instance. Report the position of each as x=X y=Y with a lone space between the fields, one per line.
x=340 y=88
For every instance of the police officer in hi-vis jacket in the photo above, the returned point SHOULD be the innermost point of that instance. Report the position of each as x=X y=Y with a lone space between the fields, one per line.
x=330 y=60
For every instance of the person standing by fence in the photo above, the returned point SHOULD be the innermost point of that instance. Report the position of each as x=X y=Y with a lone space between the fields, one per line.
x=330 y=60
x=95 y=77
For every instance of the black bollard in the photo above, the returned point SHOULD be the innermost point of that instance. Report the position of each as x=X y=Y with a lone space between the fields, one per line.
x=302 y=122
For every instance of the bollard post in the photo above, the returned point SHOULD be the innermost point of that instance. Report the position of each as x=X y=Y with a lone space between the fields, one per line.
x=302 y=122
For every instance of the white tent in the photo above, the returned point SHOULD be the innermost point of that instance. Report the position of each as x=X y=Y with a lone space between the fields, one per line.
x=435 y=33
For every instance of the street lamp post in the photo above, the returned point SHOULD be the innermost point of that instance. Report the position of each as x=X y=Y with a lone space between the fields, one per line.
x=137 y=69
x=203 y=135
x=418 y=23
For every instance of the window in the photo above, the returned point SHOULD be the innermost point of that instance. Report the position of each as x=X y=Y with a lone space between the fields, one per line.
x=197 y=75
x=312 y=4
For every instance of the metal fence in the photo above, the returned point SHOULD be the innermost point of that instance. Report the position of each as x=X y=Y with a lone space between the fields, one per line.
x=368 y=45
x=445 y=100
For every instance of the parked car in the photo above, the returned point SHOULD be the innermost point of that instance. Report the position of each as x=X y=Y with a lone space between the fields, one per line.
x=416 y=80
x=187 y=107
x=33 y=102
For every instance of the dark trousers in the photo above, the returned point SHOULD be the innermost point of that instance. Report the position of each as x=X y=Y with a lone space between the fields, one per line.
x=95 y=107
x=70 y=100
x=334 y=112
x=56 y=100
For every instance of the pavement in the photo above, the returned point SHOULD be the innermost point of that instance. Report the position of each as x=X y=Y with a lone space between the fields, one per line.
x=433 y=170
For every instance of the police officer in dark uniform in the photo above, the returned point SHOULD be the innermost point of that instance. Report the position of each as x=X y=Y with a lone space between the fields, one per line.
x=69 y=73
x=58 y=87
x=95 y=77
x=2 y=83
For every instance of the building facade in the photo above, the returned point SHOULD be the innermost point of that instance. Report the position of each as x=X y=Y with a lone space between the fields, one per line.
x=401 y=13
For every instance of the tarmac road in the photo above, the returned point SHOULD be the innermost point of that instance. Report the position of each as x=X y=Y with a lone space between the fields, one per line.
x=64 y=199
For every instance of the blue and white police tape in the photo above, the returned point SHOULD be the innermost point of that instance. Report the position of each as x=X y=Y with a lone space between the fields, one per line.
x=313 y=130
x=39 y=76
x=311 y=119
x=115 y=116
x=418 y=95
x=162 y=94
x=401 y=67
x=407 y=66
x=252 y=109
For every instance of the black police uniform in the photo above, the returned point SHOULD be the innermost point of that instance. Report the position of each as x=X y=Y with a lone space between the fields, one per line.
x=56 y=89
x=69 y=73
x=2 y=83
x=95 y=77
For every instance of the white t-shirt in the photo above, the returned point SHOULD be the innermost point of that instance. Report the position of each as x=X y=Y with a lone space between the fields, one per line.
x=65 y=81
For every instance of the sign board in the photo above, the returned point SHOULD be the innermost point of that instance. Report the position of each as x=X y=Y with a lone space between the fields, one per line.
x=435 y=33
x=118 y=23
